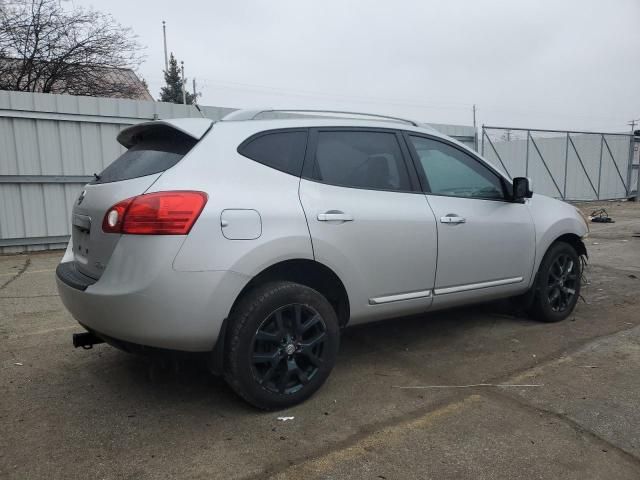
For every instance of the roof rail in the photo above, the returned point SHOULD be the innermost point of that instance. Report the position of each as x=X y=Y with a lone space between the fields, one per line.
x=253 y=114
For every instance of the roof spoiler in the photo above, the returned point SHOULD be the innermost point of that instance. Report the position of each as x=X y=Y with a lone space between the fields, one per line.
x=193 y=127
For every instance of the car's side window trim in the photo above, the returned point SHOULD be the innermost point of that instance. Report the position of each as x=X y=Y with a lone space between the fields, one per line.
x=312 y=144
x=414 y=179
x=422 y=174
x=263 y=133
x=414 y=159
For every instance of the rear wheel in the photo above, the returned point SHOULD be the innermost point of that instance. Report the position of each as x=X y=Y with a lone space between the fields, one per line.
x=557 y=285
x=283 y=344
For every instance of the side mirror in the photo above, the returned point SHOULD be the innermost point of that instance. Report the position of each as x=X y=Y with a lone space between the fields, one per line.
x=521 y=189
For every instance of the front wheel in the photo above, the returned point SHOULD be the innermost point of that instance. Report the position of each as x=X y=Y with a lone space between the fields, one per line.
x=557 y=285
x=283 y=344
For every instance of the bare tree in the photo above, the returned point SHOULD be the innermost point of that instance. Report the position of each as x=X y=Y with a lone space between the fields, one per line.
x=47 y=48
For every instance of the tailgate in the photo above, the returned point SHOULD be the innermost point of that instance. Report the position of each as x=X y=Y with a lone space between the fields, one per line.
x=153 y=148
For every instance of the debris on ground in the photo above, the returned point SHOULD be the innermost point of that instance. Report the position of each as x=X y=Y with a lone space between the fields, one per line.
x=19 y=364
x=284 y=419
x=600 y=216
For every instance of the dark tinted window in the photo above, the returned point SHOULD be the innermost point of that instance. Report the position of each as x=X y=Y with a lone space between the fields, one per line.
x=280 y=150
x=360 y=159
x=155 y=151
x=450 y=171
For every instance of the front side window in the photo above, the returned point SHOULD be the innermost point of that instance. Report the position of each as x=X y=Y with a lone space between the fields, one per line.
x=451 y=172
x=282 y=150
x=360 y=159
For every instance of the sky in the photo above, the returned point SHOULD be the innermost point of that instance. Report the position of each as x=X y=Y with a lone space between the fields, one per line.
x=570 y=64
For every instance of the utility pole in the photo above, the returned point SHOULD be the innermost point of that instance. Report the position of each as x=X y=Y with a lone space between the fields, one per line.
x=164 y=36
x=475 y=129
x=195 y=96
x=184 y=92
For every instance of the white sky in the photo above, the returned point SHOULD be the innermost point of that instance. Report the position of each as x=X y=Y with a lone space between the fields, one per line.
x=571 y=64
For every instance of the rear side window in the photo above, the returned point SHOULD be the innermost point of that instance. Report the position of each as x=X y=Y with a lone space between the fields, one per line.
x=360 y=159
x=155 y=151
x=282 y=150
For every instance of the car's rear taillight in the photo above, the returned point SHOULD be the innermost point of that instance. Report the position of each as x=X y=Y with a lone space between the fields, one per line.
x=159 y=213
x=112 y=221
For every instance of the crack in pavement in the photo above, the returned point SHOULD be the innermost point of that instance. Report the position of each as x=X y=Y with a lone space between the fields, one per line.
x=23 y=269
x=32 y=296
x=574 y=425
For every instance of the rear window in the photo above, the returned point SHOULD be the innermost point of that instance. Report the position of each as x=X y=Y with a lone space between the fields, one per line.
x=282 y=150
x=155 y=151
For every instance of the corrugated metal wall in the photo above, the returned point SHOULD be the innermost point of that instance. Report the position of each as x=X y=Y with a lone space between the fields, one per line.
x=543 y=156
x=50 y=145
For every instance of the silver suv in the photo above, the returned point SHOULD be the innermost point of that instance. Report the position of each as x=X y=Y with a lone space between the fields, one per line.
x=256 y=240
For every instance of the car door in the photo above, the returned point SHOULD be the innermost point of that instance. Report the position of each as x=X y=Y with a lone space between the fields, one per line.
x=369 y=221
x=486 y=243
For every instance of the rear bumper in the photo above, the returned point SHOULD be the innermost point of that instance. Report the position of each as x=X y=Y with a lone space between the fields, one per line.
x=140 y=299
x=69 y=275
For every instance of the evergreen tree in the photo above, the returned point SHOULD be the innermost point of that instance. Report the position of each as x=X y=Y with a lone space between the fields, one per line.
x=172 y=91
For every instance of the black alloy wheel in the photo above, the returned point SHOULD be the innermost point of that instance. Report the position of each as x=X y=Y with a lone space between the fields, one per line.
x=288 y=348
x=557 y=286
x=561 y=284
x=282 y=343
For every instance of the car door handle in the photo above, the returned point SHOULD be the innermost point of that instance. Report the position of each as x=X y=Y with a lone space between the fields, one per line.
x=452 y=219
x=334 y=216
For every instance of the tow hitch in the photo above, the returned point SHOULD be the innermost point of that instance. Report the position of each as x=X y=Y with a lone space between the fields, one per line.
x=86 y=340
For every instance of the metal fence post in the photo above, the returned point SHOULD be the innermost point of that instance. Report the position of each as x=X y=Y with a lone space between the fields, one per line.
x=638 y=166
x=630 y=164
x=600 y=165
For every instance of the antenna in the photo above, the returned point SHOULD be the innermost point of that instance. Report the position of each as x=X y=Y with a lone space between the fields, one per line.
x=164 y=36
x=198 y=108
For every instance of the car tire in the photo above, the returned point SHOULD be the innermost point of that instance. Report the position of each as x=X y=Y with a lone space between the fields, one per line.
x=282 y=345
x=557 y=284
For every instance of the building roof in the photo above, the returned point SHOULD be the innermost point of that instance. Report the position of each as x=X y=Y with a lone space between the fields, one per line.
x=115 y=82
